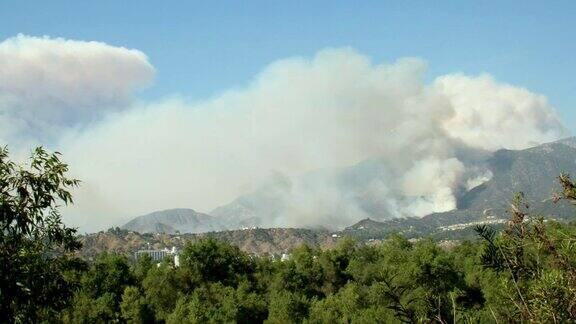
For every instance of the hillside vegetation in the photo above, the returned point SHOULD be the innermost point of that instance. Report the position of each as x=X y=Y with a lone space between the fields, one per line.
x=257 y=241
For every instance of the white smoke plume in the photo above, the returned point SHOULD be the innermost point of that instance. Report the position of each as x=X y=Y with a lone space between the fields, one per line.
x=345 y=137
x=491 y=115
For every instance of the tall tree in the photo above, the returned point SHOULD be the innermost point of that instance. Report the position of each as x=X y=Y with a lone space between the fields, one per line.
x=212 y=261
x=34 y=265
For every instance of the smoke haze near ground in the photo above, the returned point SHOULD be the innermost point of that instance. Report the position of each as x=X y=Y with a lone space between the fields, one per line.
x=335 y=109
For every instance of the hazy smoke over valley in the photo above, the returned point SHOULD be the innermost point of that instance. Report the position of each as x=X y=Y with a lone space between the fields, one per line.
x=291 y=133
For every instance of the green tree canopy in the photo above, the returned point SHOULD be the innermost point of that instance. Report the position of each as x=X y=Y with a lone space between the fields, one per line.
x=33 y=240
x=210 y=260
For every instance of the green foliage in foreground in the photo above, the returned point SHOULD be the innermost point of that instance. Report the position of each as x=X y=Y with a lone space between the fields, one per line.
x=37 y=278
x=525 y=273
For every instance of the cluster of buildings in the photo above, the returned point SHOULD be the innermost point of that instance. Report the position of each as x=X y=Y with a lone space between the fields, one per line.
x=160 y=255
x=490 y=220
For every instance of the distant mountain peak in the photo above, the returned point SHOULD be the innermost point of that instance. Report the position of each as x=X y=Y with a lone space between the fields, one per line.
x=183 y=220
x=531 y=170
x=366 y=224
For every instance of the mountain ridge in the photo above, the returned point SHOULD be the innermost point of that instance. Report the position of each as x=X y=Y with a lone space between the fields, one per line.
x=171 y=221
x=532 y=171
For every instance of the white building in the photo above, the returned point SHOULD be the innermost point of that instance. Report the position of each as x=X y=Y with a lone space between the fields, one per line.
x=160 y=255
x=176 y=260
x=155 y=255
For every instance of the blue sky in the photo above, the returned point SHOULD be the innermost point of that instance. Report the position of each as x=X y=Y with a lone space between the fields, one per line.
x=202 y=48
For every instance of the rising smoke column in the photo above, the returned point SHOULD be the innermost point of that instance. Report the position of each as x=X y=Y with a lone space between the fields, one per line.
x=348 y=136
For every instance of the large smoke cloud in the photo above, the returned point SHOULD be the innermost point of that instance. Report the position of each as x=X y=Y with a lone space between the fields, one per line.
x=48 y=84
x=490 y=115
x=421 y=144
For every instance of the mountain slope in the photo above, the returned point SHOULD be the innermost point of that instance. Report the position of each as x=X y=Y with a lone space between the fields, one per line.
x=259 y=241
x=174 y=220
x=533 y=171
